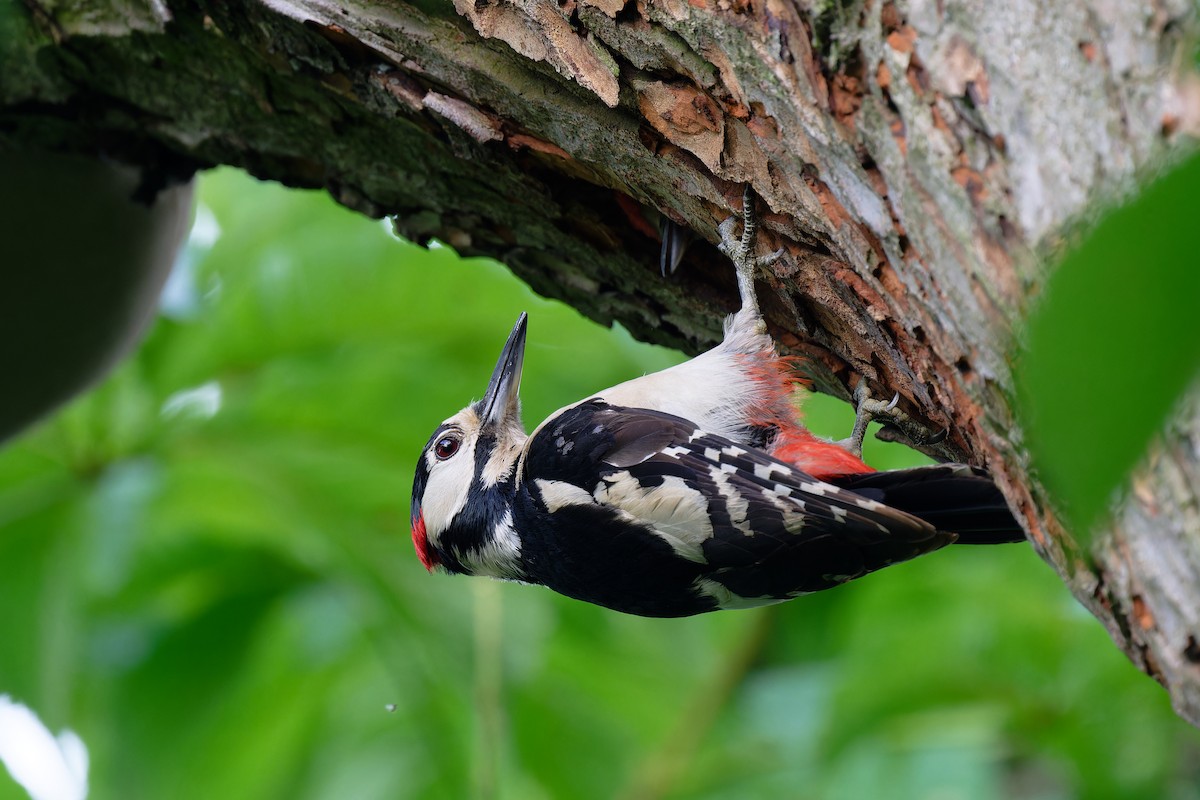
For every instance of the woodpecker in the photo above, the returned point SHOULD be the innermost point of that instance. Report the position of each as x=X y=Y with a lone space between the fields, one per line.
x=689 y=490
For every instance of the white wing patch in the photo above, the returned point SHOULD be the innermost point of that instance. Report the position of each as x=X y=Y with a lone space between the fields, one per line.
x=557 y=494
x=672 y=510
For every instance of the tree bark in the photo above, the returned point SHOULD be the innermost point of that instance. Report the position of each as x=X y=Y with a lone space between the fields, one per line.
x=916 y=161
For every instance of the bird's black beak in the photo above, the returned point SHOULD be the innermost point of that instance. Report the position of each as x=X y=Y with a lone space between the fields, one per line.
x=500 y=401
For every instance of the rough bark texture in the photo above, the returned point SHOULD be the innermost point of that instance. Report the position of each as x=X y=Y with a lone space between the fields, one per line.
x=915 y=160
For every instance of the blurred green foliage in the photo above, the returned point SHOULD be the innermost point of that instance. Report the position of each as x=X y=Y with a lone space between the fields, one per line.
x=208 y=574
x=1112 y=345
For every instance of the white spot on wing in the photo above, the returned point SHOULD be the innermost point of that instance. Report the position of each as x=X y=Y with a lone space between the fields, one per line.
x=735 y=502
x=784 y=504
x=558 y=494
x=763 y=471
x=793 y=508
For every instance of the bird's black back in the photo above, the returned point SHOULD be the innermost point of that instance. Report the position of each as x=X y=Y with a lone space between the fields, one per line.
x=769 y=532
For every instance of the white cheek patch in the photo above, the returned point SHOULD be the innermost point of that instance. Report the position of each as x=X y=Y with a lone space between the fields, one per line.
x=672 y=510
x=447 y=489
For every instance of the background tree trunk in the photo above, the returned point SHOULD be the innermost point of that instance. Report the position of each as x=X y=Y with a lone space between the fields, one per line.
x=916 y=161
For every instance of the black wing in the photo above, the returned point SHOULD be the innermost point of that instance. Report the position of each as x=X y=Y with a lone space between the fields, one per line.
x=755 y=529
x=951 y=497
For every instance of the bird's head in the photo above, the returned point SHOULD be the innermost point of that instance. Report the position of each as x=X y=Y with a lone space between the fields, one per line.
x=461 y=514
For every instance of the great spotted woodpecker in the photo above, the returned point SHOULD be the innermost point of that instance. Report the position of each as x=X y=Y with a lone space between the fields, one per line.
x=688 y=490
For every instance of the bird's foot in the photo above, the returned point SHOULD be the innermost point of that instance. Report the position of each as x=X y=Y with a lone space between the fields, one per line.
x=740 y=250
x=868 y=409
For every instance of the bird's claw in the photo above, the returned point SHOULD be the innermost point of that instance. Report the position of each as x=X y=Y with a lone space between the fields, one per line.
x=729 y=243
x=866 y=410
x=675 y=241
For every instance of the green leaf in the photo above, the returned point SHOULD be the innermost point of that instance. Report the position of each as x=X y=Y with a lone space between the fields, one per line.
x=1113 y=344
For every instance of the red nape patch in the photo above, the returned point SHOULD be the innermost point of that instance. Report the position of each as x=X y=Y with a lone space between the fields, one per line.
x=821 y=459
x=428 y=558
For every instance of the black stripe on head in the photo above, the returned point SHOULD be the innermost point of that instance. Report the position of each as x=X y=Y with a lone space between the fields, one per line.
x=420 y=479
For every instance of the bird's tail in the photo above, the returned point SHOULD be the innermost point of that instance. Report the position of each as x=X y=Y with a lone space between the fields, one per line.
x=955 y=498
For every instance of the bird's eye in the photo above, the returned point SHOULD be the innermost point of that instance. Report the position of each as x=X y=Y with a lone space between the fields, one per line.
x=446 y=447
